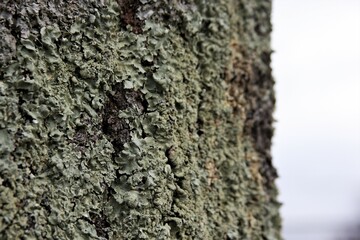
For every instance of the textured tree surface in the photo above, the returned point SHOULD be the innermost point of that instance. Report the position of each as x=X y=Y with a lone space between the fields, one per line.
x=136 y=119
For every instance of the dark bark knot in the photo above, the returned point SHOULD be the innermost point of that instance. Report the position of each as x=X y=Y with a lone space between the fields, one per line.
x=101 y=224
x=116 y=129
x=83 y=138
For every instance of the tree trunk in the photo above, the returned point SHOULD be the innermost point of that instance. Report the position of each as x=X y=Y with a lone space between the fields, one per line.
x=136 y=119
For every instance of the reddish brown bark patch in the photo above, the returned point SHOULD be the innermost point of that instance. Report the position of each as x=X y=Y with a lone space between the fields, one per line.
x=212 y=171
x=128 y=10
x=237 y=75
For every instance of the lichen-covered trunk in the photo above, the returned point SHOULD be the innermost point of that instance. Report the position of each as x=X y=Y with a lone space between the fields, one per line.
x=136 y=119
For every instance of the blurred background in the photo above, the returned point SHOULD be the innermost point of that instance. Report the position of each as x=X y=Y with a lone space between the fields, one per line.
x=316 y=64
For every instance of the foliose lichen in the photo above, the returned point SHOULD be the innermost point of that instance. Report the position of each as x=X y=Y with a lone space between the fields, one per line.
x=136 y=120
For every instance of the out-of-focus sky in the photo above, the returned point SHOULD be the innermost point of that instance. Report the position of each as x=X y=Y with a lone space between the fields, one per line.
x=316 y=148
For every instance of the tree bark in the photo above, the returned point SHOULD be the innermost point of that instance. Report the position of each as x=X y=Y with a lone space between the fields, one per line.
x=136 y=119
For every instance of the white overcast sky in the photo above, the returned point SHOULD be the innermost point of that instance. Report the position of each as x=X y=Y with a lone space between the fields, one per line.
x=316 y=148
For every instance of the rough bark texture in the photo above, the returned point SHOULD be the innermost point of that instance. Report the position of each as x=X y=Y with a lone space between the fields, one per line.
x=136 y=119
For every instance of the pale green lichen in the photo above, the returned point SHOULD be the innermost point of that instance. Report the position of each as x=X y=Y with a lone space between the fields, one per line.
x=113 y=134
